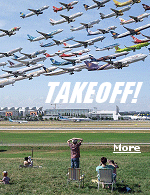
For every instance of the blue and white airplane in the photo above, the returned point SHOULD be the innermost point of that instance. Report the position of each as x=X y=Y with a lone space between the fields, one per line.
x=12 y=121
x=34 y=12
x=56 y=63
x=44 y=35
x=107 y=47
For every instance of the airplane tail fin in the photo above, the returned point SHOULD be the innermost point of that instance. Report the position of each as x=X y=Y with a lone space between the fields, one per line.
x=102 y=16
x=114 y=34
x=46 y=69
x=60 y=116
x=30 y=38
x=86 y=6
x=52 y=21
x=116 y=48
x=145 y=6
x=22 y=15
x=11 y=63
x=15 y=57
x=121 y=20
x=91 y=66
x=93 y=59
x=53 y=61
x=66 y=44
x=134 y=39
x=10 y=120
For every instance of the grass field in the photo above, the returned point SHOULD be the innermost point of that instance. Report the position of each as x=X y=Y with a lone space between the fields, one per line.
x=53 y=154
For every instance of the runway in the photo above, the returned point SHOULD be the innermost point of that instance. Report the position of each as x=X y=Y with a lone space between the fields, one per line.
x=74 y=129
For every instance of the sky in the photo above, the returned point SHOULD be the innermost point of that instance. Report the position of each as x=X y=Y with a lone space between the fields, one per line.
x=35 y=92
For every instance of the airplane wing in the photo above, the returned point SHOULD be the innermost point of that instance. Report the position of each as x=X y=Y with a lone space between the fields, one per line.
x=134 y=18
x=66 y=17
x=28 y=55
x=102 y=30
x=5 y=31
x=56 y=41
x=146 y=36
x=129 y=29
x=114 y=10
x=34 y=11
x=44 y=34
x=64 y=4
x=8 y=71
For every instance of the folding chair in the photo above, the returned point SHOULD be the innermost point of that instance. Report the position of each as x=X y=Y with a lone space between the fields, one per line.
x=106 y=177
x=75 y=174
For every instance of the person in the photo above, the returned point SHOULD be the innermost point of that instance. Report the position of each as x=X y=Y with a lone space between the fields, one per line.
x=111 y=162
x=30 y=161
x=103 y=165
x=75 y=151
x=26 y=162
x=5 y=179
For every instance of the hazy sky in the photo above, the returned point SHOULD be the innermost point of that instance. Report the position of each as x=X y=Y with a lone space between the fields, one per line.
x=34 y=92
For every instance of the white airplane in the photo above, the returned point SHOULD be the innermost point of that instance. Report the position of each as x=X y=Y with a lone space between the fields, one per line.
x=44 y=35
x=101 y=31
x=85 y=25
x=81 y=51
x=79 y=59
x=130 y=31
x=68 y=6
x=20 y=72
x=115 y=13
x=3 y=63
x=73 y=69
x=61 y=118
x=9 y=32
x=67 y=45
x=32 y=61
x=97 y=4
x=128 y=60
x=10 y=53
x=16 y=121
x=57 y=53
x=66 y=18
x=90 y=41
x=134 y=19
x=34 y=12
x=6 y=82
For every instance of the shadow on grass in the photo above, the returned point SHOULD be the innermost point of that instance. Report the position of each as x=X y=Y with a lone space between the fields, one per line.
x=122 y=188
x=3 y=150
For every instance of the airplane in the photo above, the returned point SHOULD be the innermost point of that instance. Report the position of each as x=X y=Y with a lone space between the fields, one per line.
x=44 y=35
x=3 y=63
x=90 y=41
x=56 y=9
x=129 y=32
x=9 y=32
x=115 y=13
x=5 y=82
x=119 y=4
x=61 y=118
x=32 y=61
x=75 y=53
x=128 y=60
x=66 y=18
x=56 y=63
x=133 y=47
x=73 y=69
x=20 y=72
x=13 y=65
x=85 y=25
x=66 y=45
x=97 y=4
x=146 y=7
x=101 y=31
x=10 y=53
x=135 y=40
x=67 y=6
x=57 y=53
x=39 y=72
x=34 y=12
x=30 y=55
x=109 y=57
x=134 y=19
x=16 y=121
x=79 y=59
x=107 y=47
x=91 y=66
x=57 y=42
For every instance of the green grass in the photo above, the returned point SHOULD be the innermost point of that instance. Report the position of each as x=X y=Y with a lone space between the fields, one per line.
x=50 y=137
x=51 y=178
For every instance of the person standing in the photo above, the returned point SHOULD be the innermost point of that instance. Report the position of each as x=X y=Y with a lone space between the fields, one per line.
x=75 y=151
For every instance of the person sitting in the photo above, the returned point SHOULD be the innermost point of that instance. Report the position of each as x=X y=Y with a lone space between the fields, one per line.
x=26 y=162
x=30 y=161
x=111 y=162
x=5 y=179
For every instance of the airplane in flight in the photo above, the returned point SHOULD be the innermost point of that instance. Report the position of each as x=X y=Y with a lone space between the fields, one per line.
x=3 y=63
x=30 y=55
x=66 y=18
x=68 y=6
x=32 y=61
x=134 y=19
x=44 y=35
x=121 y=4
x=73 y=69
x=75 y=53
x=107 y=47
x=97 y=4
x=56 y=63
x=135 y=40
x=91 y=66
x=109 y=57
x=5 y=82
x=34 y=12
x=57 y=53
x=128 y=60
x=78 y=60
x=75 y=119
x=115 y=13
x=9 y=32
x=20 y=72
x=133 y=47
x=90 y=41
x=146 y=7
x=10 y=53
x=85 y=25
x=130 y=31
x=101 y=31
x=16 y=121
